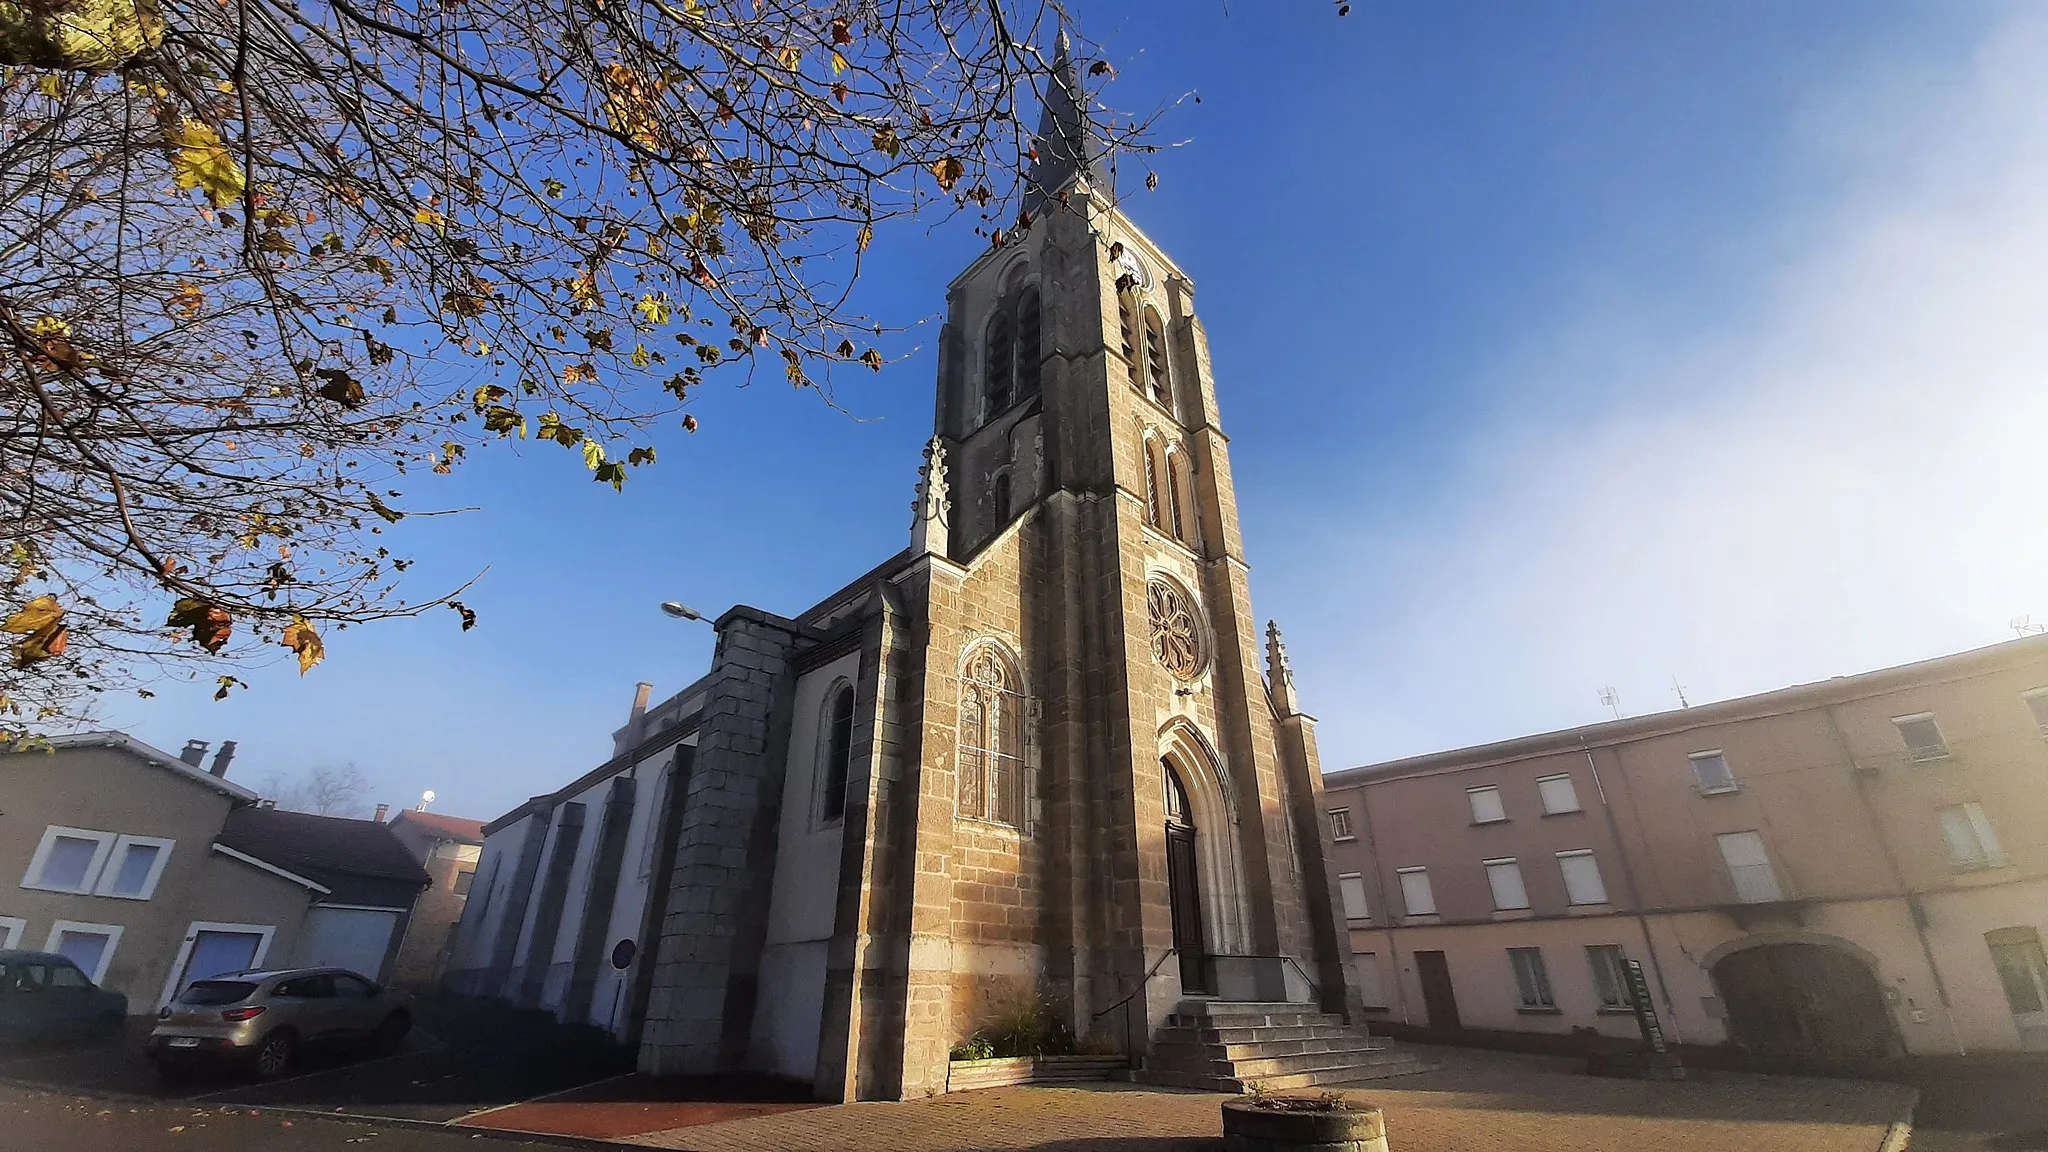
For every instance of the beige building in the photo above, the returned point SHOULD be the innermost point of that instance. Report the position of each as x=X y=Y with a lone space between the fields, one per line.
x=150 y=871
x=1838 y=870
x=447 y=847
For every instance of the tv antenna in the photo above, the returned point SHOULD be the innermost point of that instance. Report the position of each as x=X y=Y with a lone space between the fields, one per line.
x=2023 y=625
x=1612 y=700
x=1680 y=689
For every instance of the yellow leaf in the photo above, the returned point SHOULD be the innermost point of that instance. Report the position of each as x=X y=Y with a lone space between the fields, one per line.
x=947 y=172
x=300 y=638
x=51 y=85
x=186 y=300
x=653 y=308
x=593 y=454
x=863 y=238
x=838 y=63
x=34 y=616
x=430 y=218
x=203 y=162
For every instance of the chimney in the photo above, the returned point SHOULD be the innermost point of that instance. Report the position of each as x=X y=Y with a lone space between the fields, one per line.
x=222 y=758
x=381 y=810
x=194 y=753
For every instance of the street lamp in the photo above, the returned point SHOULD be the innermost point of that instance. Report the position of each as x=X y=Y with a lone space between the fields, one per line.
x=680 y=611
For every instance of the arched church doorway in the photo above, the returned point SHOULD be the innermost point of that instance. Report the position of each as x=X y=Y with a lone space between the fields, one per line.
x=1804 y=1002
x=1183 y=885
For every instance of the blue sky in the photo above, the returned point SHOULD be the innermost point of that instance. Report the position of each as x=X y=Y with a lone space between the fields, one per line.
x=1560 y=344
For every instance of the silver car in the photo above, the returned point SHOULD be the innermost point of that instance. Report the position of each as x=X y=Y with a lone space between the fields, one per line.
x=264 y=1018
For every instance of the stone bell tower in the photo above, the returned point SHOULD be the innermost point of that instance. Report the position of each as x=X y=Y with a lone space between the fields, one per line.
x=1089 y=798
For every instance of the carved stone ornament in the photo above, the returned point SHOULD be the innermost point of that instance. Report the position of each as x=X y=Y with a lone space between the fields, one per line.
x=1176 y=630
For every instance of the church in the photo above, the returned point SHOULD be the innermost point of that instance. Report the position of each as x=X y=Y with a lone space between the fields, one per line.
x=1042 y=756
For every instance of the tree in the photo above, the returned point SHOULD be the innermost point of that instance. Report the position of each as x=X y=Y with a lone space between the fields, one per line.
x=296 y=252
x=325 y=791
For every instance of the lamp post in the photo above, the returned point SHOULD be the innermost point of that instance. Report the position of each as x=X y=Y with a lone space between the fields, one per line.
x=680 y=611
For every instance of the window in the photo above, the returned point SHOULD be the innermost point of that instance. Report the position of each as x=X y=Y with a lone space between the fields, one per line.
x=68 y=859
x=349 y=987
x=1710 y=773
x=1532 y=982
x=1922 y=736
x=319 y=987
x=65 y=976
x=1155 y=503
x=995 y=366
x=2022 y=970
x=1505 y=878
x=1415 y=894
x=1175 y=492
x=1558 y=795
x=1971 y=843
x=1582 y=877
x=11 y=928
x=1127 y=323
x=1030 y=356
x=24 y=977
x=1749 y=867
x=2037 y=707
x=1352 y=886
x=1372 y=990
x=990 y=743
x=838 y=754
x=1486 y=805
x=90 y=946
x=1610 y=979
x=134 y=867
x=1340 y=824
x=463 y=880
x=1155 y=359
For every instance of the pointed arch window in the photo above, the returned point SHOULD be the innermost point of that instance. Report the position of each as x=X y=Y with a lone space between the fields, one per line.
x=1127 y=324
x=1155 y=358
x=1176 y=493
x=1030 y=353
x=838 y=754
x=996 y=364
x=1155 y=508
x=991 y=747
x=1177 y=809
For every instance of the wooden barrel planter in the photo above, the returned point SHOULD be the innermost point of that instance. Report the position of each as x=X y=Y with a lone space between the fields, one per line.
x=1298 y=1124
x=77 y=35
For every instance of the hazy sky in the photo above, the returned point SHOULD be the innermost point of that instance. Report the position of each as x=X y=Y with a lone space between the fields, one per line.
x=1560 y=344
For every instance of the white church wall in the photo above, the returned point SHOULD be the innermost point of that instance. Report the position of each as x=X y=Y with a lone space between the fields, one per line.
x=560 y=953
x=804 y=895
x=636 y=876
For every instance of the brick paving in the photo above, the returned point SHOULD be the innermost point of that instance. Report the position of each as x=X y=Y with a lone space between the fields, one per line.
x=1478 y=1102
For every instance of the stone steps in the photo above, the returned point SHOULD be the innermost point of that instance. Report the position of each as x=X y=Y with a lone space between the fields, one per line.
x=1231 y=1047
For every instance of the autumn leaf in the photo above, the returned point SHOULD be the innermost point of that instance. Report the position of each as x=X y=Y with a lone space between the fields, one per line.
x=210 y=623
x=33 y=616
x=872 y=359
x=885 y=141
x=388 y=514
x=1101 y=68
x=553 y=187
x=948 y=172
x=842 y=32
x=468 y=617
x=225 y=682
x=689 y=423
x=653 y=309
x=863 y=238
x=593 y=455
x=339 y=387
x=838 y=63
x=201 y=161
x=186 y=300
x=300 y=638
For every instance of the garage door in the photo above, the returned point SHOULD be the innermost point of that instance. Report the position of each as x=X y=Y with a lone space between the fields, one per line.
x=352 y=938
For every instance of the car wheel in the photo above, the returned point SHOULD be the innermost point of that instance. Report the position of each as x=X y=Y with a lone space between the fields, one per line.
x=391 y=1033
x=274 y=1055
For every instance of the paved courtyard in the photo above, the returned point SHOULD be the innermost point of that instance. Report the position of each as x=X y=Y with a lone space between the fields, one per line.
x=1478 y=1102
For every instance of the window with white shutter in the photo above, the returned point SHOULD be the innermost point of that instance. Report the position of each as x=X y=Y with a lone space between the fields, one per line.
x=1371 y=988
x=1923 y=737
x=1711 y=774
x=1532 y=980
x=1582 y=884
x=1558 y=794
x=1505 y=878
x=1416 y=898
x=1967 y=832
x=1352 y=887
x=1486 y=805
x=1749 y=866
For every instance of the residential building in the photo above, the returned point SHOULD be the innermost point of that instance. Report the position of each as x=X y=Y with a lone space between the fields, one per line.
x=447 y=847
x=150 y=870
x=1033 y=757
x=1846 y=869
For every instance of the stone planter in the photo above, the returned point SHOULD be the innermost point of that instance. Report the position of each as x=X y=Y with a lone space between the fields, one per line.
x=1247 y=1127
x=1002 y=1071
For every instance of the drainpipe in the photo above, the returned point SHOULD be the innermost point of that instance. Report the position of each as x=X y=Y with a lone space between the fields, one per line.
x=1635 y=900
x=1914 y=914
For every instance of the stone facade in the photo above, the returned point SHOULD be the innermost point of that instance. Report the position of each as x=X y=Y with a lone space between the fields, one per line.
x=943 y=794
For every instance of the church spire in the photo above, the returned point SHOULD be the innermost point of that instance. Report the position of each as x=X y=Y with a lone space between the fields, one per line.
x=1279 y=673
x=933 y=507
x=1067 y=143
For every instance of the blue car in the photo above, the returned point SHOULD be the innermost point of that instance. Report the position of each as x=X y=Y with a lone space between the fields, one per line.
x=44 y=996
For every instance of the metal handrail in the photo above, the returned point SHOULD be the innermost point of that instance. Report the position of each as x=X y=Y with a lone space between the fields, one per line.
x=1135 y=990
x=1314 y=987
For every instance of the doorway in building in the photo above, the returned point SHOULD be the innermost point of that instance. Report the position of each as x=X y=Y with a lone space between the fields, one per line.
x=1805 y=1002
x=1437 y=998
x=2023 y=972
x=1183 y=887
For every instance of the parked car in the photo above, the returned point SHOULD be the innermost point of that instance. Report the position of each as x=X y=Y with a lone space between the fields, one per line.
x=44 y=996
x=263 y=1019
